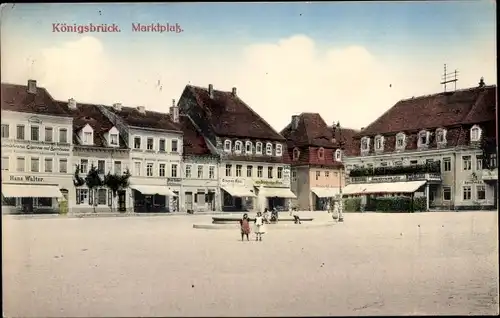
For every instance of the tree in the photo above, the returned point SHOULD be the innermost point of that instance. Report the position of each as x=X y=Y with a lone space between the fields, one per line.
x=93 y=182
x=488 y=148
x=77 y=180
x=116 y=183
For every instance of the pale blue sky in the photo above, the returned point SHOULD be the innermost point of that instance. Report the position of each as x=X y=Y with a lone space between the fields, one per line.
x=400 y=34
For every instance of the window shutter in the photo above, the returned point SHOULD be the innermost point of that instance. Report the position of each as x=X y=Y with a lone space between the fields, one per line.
x=110 y=197
x=77 y=196
x=91 y=197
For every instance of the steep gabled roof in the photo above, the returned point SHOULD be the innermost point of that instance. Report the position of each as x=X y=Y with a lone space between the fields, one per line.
x=150 y=119
x=193 y=141
x=311 y=131
x=229 y=116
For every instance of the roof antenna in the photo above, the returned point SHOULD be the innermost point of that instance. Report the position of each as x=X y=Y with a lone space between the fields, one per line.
x=449 y=78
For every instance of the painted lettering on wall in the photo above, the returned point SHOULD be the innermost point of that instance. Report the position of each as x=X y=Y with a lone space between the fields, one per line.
x=268 y=182
x=174 y=181
x=36 y=147
x=26 y=178
x=232 y=181
x=474 y=182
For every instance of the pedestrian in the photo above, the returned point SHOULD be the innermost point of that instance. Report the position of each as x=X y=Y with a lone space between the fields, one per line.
x=259 y=226
x=245 y=227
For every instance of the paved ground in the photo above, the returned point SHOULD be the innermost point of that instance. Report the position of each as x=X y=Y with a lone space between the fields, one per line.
x=373 y=264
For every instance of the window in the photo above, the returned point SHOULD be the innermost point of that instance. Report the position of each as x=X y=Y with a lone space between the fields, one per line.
x=260 y=171
x=479 y=162
x=161 y=170
x=102 y=196
x=280 y=172
x=238 y=170
x=480 y=192
x=87 y=138
x=413 y=162
x=269 y=149
x=63 y=135
x=35 y=164
x=279 y=150
x=400 y=141
x=200 y=172
x=447 y=164
x=321 y=153
x=5 y=163
x=379 y=142
x=211 y=172
x=149 y=144
x=466 y=163
x=227 y=145
x=149 y=169
x=398 y=163
x=82 y=195
x=258 y=148
x=63 y=165
x=173 y=170
x=441 y=136
x=84 y=163
x=113 y=140
x=429 y=161
x=365 y=144
x=162 y=145
x=249 y=171
x=35 y=133
x=43 y=202
x=188 y=171
x=5 y=131
x=446 y=193
x=20 y=132
x=174 y=145
x=475 y=133
x=237 y=147
x=296 y=154
x=248 y=147
x=422 y=138
x=137 y=142
x=327 y=174
x=48 y=164
x=118 y=167
x=467 y=193
x=338 y=155
x=269 y=172
x=20 y=164
x=48 y=134
x=137 y=168
x=228 y=170
x=318 y=174
x=493 y=160
x=101 y=166
x=294 y=175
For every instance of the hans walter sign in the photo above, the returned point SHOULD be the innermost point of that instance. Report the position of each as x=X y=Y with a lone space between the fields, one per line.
x=26 y=179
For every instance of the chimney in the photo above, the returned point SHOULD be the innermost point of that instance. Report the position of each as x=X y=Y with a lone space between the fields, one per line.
x=234 y=91
x=117 y=106
x=32 y=86
x=481 y=82
x=295 y=122
x=141 y=109
x=71 y=103
x=174 y=112
x=211 y=90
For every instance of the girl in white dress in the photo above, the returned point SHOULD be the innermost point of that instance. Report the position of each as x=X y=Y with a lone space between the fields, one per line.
x=259 y=226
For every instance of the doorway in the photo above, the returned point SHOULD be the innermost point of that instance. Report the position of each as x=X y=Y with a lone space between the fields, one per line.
x=27 y=205
x=122 y=206
x=189 y=201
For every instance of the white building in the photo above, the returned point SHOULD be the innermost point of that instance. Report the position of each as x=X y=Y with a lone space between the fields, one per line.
x=155 y=140
x=36 y=151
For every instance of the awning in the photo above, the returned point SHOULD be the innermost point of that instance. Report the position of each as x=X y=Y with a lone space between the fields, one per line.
x=239 y=191
x=383 y=187
x=30 y=191
x=152 y=190
x=278 y=192
x=325 y=192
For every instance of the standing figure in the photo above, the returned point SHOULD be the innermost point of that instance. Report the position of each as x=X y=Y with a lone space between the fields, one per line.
x=259 y=226
x=245 y=227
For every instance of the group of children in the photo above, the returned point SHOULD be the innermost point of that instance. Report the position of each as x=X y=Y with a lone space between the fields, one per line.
x=246 y=229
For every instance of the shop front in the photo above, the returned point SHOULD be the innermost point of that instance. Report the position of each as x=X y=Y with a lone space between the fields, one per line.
x=152 y=198
x=274 y=194
x=237 y=194
x=323 y=197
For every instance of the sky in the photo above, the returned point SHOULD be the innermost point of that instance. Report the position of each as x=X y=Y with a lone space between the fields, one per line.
x=348 y=61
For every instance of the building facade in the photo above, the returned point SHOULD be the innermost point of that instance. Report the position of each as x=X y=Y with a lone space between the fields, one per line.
x=254 y=170
x=36 y=151
x=316 y=160
x=440 y=146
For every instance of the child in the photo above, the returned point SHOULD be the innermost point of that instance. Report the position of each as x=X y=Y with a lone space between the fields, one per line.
x=259 y=226
x=245 y=226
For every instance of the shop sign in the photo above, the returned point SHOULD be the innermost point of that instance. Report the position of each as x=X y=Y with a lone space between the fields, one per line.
x=268 y=182
x=474 y=182
x=174 y=181
x=26 y=178
x=235 y=181
x=388 y=178
x=39 y=147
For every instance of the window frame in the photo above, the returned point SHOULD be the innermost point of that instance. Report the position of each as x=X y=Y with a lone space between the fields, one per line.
x=150 y=166
x=269 y=149
x=47 y=160
x=150 y=143
x=445 y=161
x=228 y=145
x=238 y=147
x=63 y=132
x=51 y=139
x=7 y=130
x=466 y=164
x=444 y=192
x=34 y=128
x=229 y=170
x=469 y=188
x=270 y=172
x=247 y=144
x=137 y=142
x=258 y=148
x=162 y=167
x=279 y=150
x=480 y=186
x=321 y=153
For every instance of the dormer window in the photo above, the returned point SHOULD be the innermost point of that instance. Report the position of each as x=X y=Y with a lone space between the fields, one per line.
x=269 y=149
x=258 y=148
x=400 y=141
x=440 y=136
x=423 y=138
x=338 y=155
x=475 y=133
x=296 y=154
x=379 y=143
x=87 y=138
x=321 y=153
x=365 y=144
x=113 y=139
x=279 y=150
x=237 y=146
x=248 y=147
x=227 y=146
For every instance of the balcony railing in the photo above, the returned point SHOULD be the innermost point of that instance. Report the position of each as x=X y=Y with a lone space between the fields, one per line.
x=434 y=168
x=490 y=175
x=397 y=178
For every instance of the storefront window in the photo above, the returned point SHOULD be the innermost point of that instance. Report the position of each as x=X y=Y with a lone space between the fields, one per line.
x=44 y=202
x=101 y=197
x=8 y=201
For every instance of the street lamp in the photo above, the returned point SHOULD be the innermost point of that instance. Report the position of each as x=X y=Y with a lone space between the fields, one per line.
x=340 y=205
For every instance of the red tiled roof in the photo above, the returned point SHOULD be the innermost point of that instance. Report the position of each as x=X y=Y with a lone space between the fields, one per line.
x=434 y=111
x=16 y=98
x=347 y=134
x=311 y=131
x=193 y=141
x=151 y=119
x=90 y=114
x=228 y=115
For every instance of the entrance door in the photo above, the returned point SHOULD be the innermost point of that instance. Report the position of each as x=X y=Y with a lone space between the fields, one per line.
x=27 y=205
x=122 y=206
x=189 y=201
